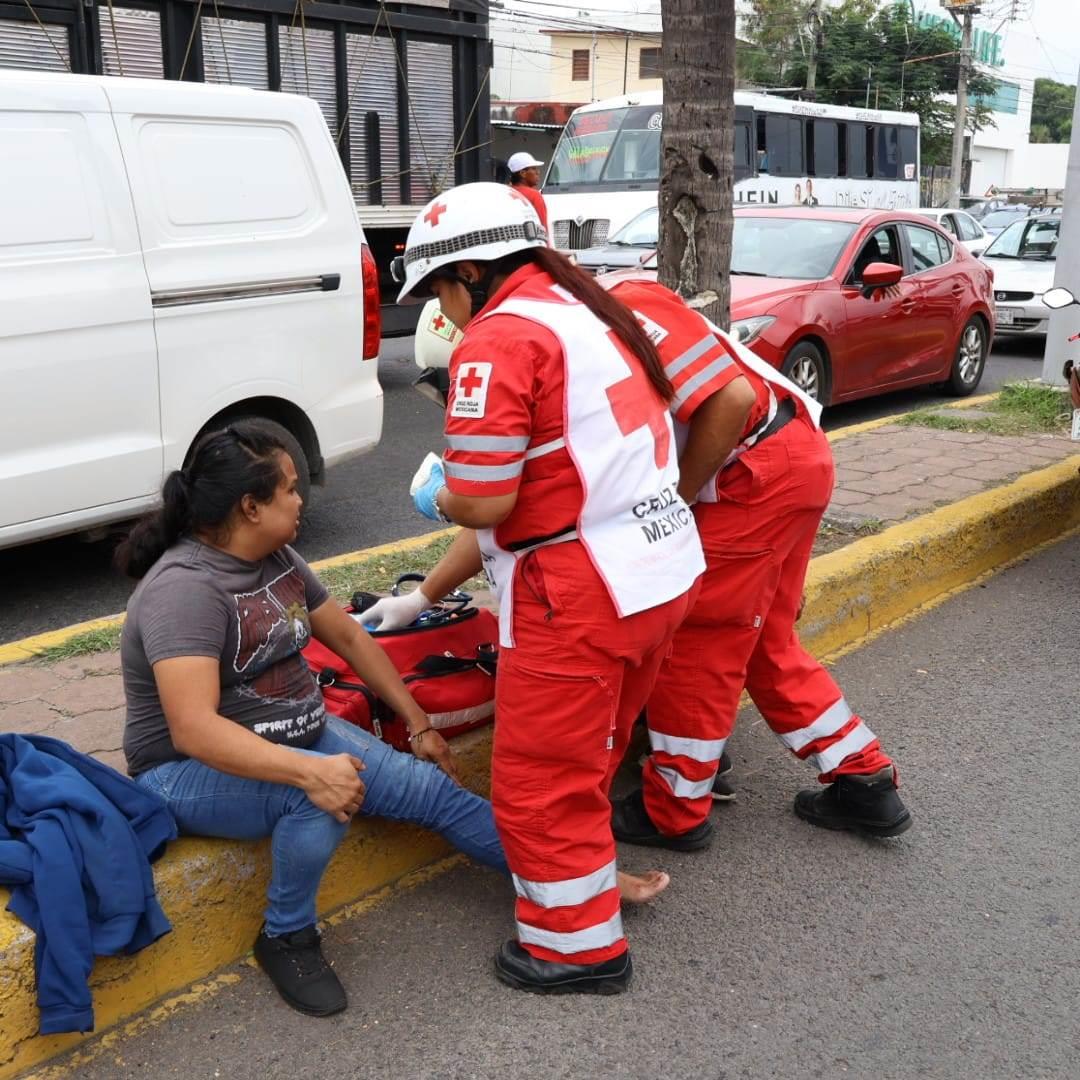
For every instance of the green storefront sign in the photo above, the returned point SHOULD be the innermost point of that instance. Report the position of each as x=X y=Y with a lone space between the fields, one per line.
x=986 y=47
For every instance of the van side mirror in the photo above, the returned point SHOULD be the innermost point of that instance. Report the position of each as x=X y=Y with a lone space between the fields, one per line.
x=880 y=275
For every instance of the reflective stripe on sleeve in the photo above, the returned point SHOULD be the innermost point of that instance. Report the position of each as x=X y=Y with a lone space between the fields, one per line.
x=828 y=723
x=492 y=444
x=858 y=738
x=695 y=352
x=552 y=894
x=592 y=937
x=682 y=788
x=692 y=386
x=483 y=473
x=544 y=448
x=703 y=750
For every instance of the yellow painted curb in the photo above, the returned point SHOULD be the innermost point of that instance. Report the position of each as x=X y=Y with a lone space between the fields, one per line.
x=214 y=891
x=17 y=651
x=884 y=421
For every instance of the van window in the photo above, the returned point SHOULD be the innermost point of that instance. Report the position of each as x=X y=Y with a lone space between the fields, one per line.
x=50 y=197
x=218 y=179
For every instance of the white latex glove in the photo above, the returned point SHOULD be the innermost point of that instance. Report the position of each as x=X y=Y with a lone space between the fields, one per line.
x=394 y=612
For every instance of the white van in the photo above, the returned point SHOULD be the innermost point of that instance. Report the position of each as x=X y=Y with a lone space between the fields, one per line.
x=173 y=255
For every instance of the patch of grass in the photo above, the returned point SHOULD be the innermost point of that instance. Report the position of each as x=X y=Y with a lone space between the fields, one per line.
x=1022 y=408
x=105 y=639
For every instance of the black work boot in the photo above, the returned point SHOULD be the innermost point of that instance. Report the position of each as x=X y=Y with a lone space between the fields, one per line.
x=299 y=971
x=722 y=790
x=867 y=804
x=630 y=822
x=523 y=971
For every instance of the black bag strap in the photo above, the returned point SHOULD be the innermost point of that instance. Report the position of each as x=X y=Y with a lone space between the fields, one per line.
x=486 y=659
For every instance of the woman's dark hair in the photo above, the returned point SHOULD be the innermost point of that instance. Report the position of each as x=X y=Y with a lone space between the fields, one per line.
x=601 y=303
x=243 y=459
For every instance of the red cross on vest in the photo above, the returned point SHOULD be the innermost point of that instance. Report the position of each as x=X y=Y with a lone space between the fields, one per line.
x=635 y=404
x=470 y=382
x=436 y=212
x=439 y=322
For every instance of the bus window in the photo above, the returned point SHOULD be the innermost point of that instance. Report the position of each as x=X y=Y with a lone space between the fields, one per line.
x=635 y=155
x=583 y=149
x=871 y=135
x=909 y=152
x=762 y=147
x=743 y=161
x=784 y=145
x=821 y=148
x=856 y=151
x=841 y=149
x=887 y=163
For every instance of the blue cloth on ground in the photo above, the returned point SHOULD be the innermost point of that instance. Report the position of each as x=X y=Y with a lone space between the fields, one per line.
x=76 y=842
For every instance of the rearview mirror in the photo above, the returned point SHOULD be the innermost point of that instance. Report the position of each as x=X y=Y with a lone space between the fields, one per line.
x=1059 y=298
x=880 y=275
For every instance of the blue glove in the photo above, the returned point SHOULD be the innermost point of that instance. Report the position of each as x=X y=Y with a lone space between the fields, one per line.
x=429 y=478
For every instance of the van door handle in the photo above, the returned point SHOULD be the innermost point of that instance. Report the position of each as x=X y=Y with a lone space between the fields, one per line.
x=330 y=282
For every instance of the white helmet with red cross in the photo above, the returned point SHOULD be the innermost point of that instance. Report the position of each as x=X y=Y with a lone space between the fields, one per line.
x=482 y=222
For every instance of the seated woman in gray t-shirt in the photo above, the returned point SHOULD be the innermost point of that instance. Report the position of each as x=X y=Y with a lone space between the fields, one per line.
x=224 y=719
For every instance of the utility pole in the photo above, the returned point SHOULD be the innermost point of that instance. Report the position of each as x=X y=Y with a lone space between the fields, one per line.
x=697 y=163
x=1065 y=322
x=813 y=19
x=592 y=68
x=963 y=13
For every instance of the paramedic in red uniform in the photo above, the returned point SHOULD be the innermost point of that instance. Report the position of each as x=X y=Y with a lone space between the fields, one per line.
x=759 y=472
x=525 y=179
x=562 y=457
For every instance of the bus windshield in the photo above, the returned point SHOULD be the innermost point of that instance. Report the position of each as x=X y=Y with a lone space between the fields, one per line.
x=610 y=146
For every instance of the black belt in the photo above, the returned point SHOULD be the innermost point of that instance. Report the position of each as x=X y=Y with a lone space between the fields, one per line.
x=785 y=413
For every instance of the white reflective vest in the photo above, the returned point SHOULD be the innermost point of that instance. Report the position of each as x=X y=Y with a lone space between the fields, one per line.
x=639 y=534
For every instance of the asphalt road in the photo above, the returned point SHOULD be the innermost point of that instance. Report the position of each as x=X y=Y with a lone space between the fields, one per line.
x=58 y=582
x=784 y=951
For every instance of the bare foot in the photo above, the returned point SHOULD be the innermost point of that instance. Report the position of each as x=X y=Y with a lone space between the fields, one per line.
x=640 y=889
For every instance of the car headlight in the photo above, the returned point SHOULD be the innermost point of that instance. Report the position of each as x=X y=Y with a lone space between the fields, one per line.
x=746 y=330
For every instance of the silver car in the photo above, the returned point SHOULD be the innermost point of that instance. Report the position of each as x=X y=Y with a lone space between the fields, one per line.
x=1023 y=259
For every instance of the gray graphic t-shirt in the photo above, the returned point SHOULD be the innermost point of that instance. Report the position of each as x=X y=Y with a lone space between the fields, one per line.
x=251 y=617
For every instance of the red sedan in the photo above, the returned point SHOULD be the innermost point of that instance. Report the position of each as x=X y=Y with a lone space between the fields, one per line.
x=850 y=303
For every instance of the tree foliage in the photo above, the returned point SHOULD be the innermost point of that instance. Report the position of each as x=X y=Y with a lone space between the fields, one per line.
x=1052 y=111
x=866 y=52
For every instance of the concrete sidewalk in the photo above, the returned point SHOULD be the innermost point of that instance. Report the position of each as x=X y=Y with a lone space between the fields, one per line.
x=961 y=509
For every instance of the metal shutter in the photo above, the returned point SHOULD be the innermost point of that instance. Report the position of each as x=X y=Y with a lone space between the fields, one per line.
x=234 y=52
x=431 y=119
x=139 y=36
x=373 y=85
x=307 y=67
x=26 y=45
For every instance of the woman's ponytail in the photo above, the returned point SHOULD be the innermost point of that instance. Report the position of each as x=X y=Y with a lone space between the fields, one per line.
x=608 y=310
x=157 y=531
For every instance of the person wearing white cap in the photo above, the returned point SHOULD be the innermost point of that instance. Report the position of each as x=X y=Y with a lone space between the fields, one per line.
x=525 y=177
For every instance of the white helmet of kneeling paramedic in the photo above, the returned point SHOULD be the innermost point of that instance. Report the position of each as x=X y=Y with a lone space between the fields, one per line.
x=481 y=222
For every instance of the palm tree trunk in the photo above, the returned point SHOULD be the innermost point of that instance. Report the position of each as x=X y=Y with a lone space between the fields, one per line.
x=698 y=144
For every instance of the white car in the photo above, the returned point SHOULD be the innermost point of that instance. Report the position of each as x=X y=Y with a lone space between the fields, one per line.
x=1023 y=259
x=968 y=232
x=173 y=256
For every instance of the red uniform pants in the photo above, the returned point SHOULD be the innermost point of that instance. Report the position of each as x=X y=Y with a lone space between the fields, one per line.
x=566 y=699
x=741 y=633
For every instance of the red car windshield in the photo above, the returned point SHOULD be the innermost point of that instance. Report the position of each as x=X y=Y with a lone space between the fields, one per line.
x=805 y=249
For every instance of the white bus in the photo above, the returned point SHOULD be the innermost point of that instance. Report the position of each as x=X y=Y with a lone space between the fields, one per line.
x=606 y=167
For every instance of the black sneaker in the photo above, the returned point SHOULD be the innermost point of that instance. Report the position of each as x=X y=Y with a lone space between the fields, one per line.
x=866 y=804
x=722 y=791
x=299 y=971
x=630 y=822
x=523 y=971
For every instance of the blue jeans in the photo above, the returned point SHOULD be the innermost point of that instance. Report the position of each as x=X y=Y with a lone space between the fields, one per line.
x=206 y=802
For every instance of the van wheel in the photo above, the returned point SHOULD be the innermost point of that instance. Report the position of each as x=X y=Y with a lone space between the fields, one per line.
x=808 y=370
x=293 y=449
x=970 y=360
